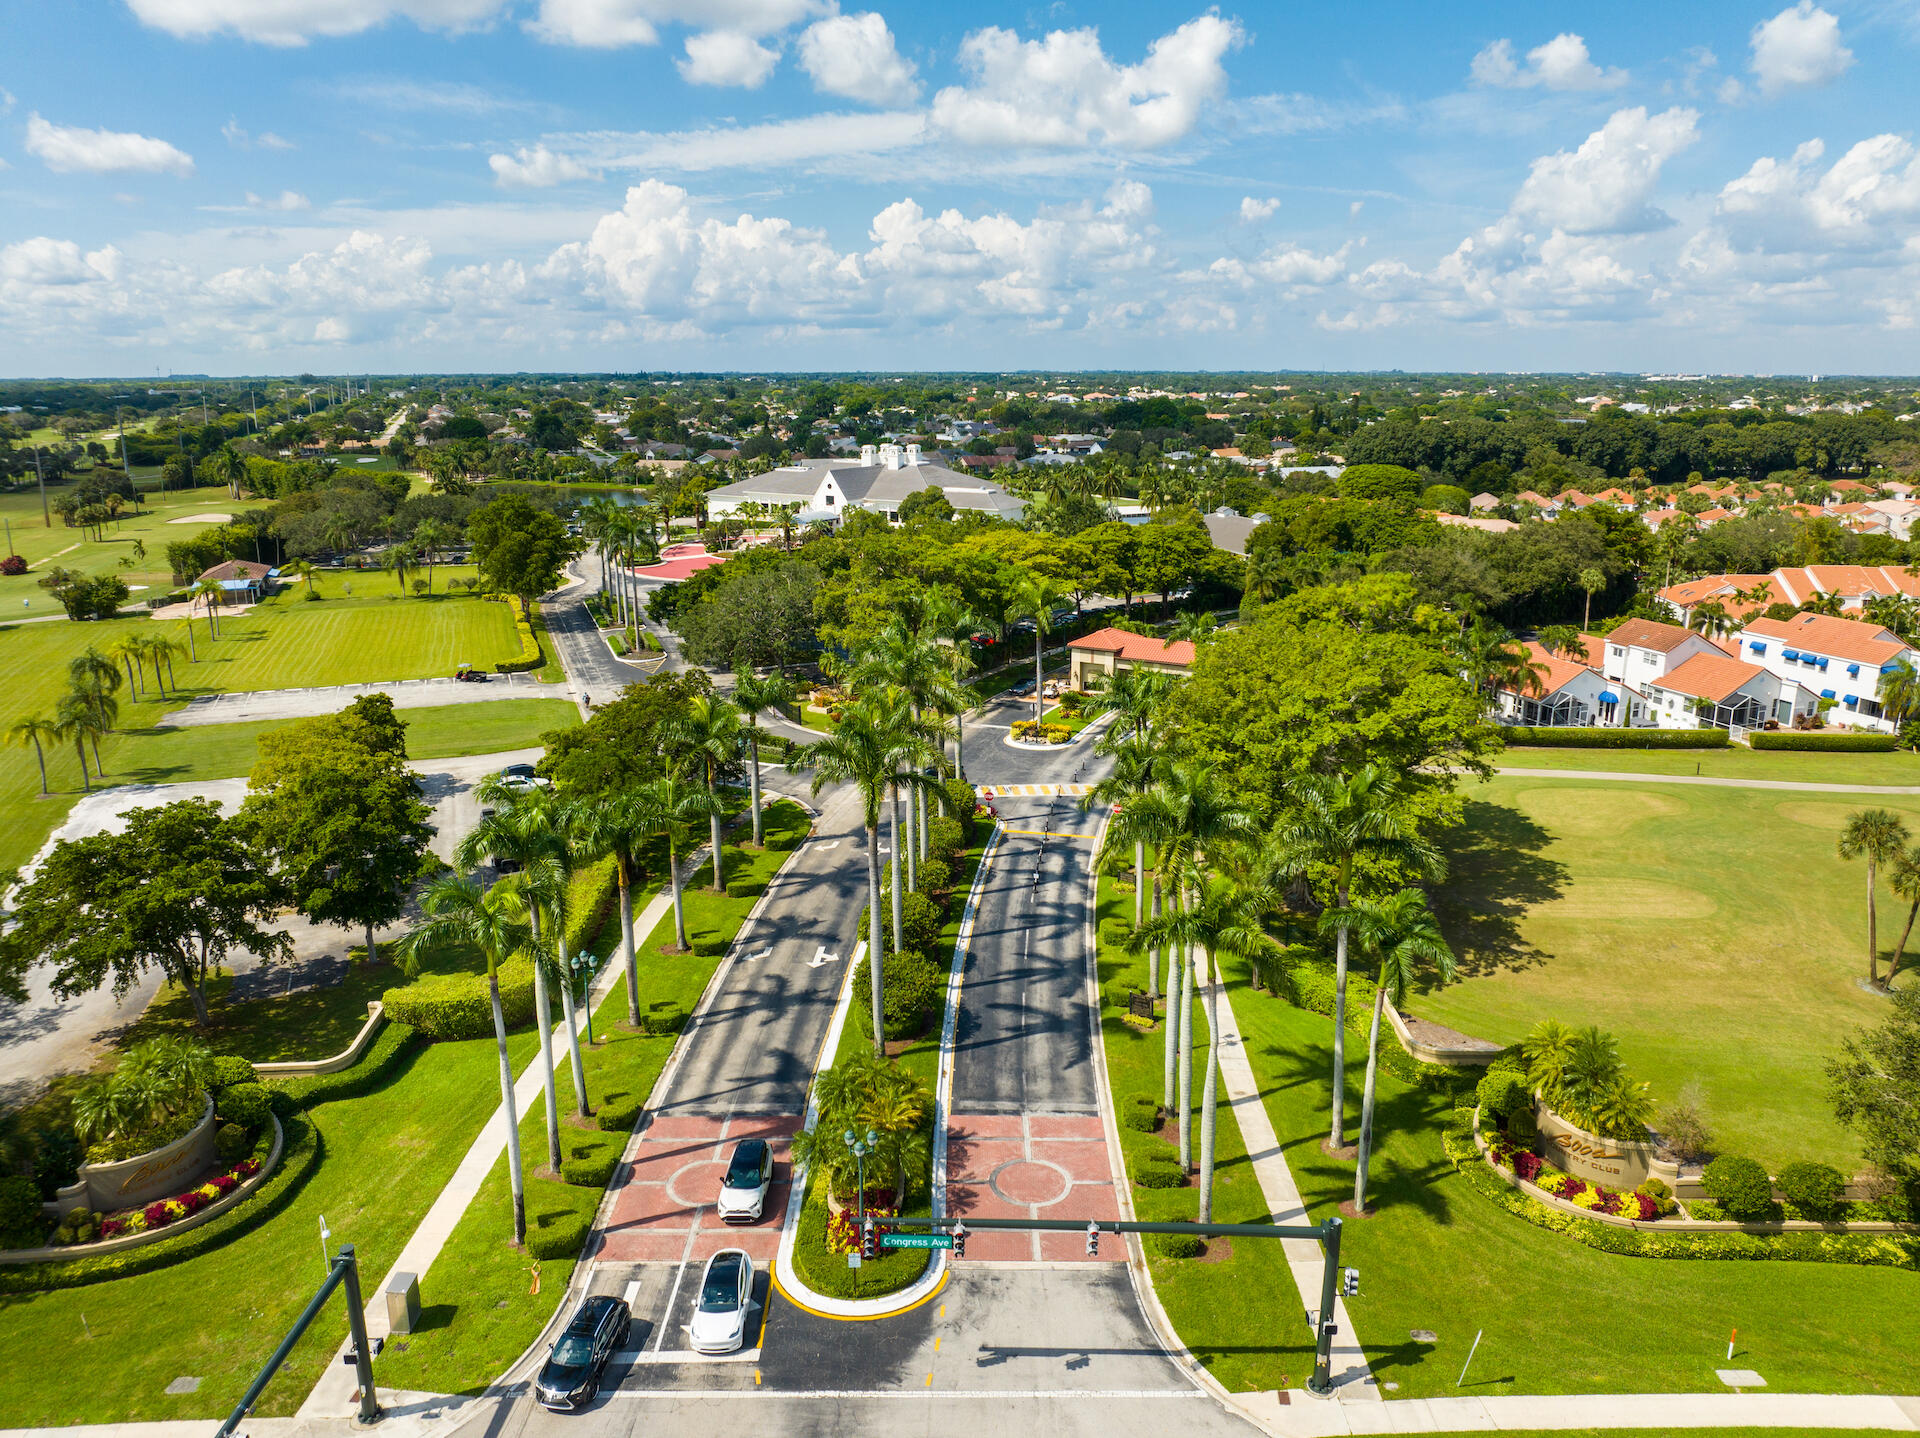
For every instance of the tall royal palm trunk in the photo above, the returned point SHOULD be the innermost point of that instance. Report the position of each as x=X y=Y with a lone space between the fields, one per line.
x=543 y=1019
x=920 y=830
x=898 y=870
x=1185 y=1075
x=753 y=749
x=1039 y=699
x=679 y=909
x=1210 y=1089
x=1366 y=1101
x=623 y=866
x=580 y=1104
x=1339 y=1104
x=876 y=937
x=516 y=1178
x=1139 y=909
x=713 y=824
x=1170 y=1041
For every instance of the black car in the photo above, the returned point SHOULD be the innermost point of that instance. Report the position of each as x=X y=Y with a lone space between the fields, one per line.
x=570 y=1378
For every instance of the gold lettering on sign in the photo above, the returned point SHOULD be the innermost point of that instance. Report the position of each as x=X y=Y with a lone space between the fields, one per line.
x=1585 y=1149
x=148 y=1172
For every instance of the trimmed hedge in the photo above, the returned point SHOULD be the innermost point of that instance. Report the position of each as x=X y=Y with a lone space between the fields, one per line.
x=1175 y=1245
x=1502 y=1094
x=1740 y=1186
x=663 y=1022
x=529 y=657
x=228 y=1071
x=233 y=1142
x=245 y=1104
x=379 y=1063
x=459 y=1006
x=913 y=989
x=962 y=800
x=594 y=1172
x=560 y=1235
x=1141 y=1113
x=1525 y=735
x=1814 y=1189
x=620 y=1115
x=1845 y=743
x=1158 y=1171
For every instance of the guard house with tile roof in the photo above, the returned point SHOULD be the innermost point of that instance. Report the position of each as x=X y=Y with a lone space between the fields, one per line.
x=1837 y=659
x=1094 y=660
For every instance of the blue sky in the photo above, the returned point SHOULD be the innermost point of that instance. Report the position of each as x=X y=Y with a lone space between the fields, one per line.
x=248 y=185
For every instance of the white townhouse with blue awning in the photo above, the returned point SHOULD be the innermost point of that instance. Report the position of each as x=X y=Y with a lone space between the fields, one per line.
x=1837 y=659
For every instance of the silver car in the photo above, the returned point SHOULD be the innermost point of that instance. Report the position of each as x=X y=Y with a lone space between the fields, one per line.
x=726 y=1294
x=743 y=1192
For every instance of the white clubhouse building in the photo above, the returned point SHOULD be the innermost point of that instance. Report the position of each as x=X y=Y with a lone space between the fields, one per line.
x=823 y=490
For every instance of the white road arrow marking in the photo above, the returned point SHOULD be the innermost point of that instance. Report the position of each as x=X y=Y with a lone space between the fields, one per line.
x=821 y=956
x=761 y=955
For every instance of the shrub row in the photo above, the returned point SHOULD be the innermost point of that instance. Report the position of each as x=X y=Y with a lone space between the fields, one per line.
x=1032 y=730
x=1847 y=743
x=1158 y=1170
x=620 y=1115
x=914 y=989
x=1884 y=1250
x=460 y=1006
x=1576 y=738
x=560 y=1235
x=529 y=657
x=1141 y=1113
x=594 y=1171
x=383 y=1057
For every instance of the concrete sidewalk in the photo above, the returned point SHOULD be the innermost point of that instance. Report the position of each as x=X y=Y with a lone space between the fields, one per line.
x=332 y=1396
x=1351 y=1378
x=1305 y=1418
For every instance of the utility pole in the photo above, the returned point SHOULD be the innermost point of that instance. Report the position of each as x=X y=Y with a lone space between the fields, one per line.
x=45 y=513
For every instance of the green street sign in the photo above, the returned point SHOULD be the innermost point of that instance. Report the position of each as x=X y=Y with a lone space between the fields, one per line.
x=916 y=1240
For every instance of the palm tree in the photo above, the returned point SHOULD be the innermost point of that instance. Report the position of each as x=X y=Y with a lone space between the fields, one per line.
x=1711 y=619
x=400 y=558
x=947 y=618
x=34 y=729
x=229 y=466
x=546 y=885
x=664 y=807
x=163 y=650
x=1491 y=661
x=1136 y=764
x=1592 y=581
x=1339 y=820
x=618 y=826
x=1878 y=836
x=209 y=590
x=1564 y=640
x=74 y=719
x=860 y=751
x=430 y=537
x=750 y=696
x=498 y=925
x=130 y=650
x=712 y=736
x=1194 y=815
x=1224 y=920
x=1191 y=625
x=900 y=659
x=1401 y=931
x=92 y=672
x=300 y=569
x=1899 y=690
x=1134 y=695
x=1035 y=597
x=1904 y=879
x=527 y=829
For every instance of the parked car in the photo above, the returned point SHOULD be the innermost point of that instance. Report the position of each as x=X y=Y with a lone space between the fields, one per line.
x=570 y=1378
x=520 y=777
x=726 y=1293
x=743 y=1192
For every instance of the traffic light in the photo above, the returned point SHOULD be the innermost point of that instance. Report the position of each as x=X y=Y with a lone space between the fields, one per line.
x=1093 y=1240
x=869 y=1240
x=1349 y=1283
x=959 y=1240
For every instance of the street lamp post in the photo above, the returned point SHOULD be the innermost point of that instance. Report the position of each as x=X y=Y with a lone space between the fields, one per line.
x=584 y=965
x=860 y=1146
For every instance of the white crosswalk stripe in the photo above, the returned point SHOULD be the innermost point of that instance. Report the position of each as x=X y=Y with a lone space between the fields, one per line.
x=1032 y=791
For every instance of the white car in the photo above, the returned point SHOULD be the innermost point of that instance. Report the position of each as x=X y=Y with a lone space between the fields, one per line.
x=726 y=1293
x=743 y=1192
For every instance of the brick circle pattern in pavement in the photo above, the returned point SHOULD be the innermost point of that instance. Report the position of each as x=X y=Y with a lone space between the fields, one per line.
x=697 y=1183
x=1030 y=1180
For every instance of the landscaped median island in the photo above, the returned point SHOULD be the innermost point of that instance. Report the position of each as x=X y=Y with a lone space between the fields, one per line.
x=858 y=1089
x=484 y=1301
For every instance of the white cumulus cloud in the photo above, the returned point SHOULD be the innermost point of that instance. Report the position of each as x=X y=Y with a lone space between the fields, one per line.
x=286 y=200
x=1064 y=91
x=1797 y=48
x=1606 y=186
x=855 y=56
x=1253 y=211
x=66 y=149
x=728 y=58
x=537 y=168
x=294 y=22
x=608 y=24
x=1561 y=64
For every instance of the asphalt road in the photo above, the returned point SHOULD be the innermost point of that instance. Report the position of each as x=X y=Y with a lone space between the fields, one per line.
x=1024 y=1039
x=591 y=666
x=754 y=1049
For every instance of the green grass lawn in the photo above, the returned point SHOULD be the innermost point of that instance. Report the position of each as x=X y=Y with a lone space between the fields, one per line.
x=1714 y=931
x=286 y=643
x=1738 y=762
x=1239 y=1313
x=1559 y=1317
x=383 y=1158
x=479 y=1308
x=154 y=528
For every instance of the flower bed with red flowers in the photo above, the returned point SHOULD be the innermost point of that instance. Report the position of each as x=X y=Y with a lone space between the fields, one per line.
x=843 y=1229
x=1525 y=1164
x=162 y=1212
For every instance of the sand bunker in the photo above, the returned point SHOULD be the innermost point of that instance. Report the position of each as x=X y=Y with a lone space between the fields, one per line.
x=201 y=519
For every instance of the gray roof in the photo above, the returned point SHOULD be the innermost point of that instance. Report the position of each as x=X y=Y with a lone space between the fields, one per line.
x=1230 y=531
x=874 y=486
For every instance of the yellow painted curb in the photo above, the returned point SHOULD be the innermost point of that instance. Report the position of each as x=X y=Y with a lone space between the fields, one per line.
x=857 y=1317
